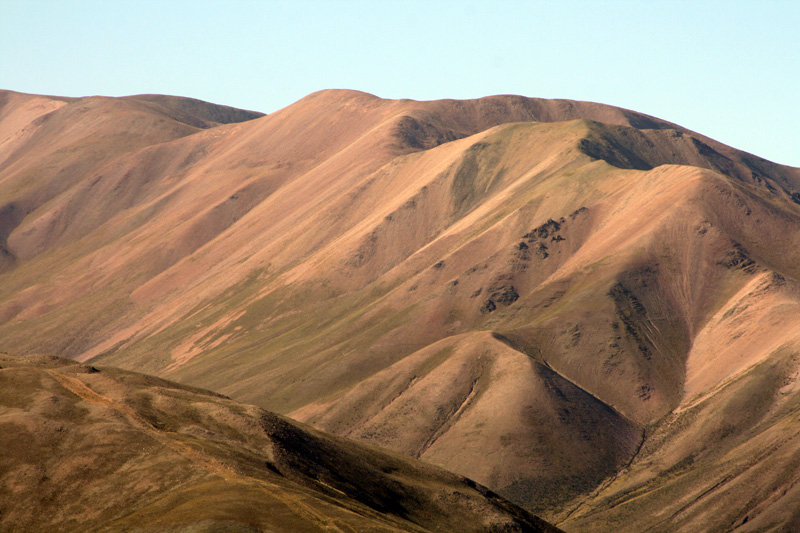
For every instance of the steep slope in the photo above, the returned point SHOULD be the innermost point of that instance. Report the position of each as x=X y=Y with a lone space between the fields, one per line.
x=472 y=403
x=522 y=291
x=725 y=460
x=107 y=450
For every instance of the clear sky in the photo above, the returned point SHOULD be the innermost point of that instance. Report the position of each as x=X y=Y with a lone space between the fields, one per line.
x=727 y=69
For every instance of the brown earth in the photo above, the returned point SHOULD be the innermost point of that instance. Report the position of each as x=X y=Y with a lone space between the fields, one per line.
x=576 y=305
x=87 y=449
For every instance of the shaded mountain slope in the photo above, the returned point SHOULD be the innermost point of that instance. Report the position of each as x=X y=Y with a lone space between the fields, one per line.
x=476 y=283
x=726 y=460
x=468 y=399
x=195 y=112
x=108 y=450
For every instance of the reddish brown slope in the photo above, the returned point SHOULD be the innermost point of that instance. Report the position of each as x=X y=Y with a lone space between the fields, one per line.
x=50 y=146
x=348 y=258
x=194 y=204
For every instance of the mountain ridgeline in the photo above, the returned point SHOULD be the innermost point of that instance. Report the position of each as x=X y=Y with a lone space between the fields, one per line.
x=101 y=449
x=588 y=310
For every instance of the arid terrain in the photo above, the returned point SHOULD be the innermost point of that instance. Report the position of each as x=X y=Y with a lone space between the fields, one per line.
x=591 y=311
x=87 y=449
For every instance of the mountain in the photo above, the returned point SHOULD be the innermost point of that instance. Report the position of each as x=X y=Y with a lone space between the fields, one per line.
x=107 y=450
x=589 y=310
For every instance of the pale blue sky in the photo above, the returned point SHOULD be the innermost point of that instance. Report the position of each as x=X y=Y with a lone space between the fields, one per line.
x=727 y=69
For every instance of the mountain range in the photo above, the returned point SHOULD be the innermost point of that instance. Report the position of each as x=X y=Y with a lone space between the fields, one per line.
x=588 y=310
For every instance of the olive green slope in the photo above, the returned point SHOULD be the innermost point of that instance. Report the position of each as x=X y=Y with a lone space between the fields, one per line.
x=87 y=449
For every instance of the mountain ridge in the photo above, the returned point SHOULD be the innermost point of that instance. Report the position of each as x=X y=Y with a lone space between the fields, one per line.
x=108 y=450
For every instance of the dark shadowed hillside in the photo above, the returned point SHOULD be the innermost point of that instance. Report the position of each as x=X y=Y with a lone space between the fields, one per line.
x=108 y=450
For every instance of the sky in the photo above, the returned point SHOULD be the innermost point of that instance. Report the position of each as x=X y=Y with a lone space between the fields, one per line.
x=727 y=69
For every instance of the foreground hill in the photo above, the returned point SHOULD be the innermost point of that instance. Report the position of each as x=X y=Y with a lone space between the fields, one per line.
x=568 y=302
x=107 y=450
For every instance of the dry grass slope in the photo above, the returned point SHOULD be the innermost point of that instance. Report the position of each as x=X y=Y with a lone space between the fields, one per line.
x=106 y=450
